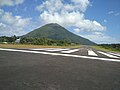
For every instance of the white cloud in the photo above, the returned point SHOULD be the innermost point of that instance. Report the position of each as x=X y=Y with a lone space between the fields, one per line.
x=2 y=25
x=81 y=4
x=50 y=5
x=98 y=33
x=117 y=14
x=101 y=38
x=77 y=30
x=10 y=2
x=70 y=15
x=19 y=1
x=114 y=13
x=110 y=12
x=58 y=5
x=13 y=25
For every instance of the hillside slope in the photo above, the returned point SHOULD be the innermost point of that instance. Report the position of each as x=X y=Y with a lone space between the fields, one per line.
x=57 y=32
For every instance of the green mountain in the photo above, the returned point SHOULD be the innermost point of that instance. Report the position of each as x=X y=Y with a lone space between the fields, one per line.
x=57 y=32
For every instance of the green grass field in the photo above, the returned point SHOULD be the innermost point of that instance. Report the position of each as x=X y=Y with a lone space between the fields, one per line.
x=19 y=46
x=104 y=49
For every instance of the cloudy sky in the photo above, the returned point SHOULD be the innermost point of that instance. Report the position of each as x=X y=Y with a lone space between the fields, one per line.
x=97 y=20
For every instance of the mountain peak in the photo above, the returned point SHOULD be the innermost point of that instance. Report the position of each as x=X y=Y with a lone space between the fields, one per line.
x=53 y=24
x=56 y=32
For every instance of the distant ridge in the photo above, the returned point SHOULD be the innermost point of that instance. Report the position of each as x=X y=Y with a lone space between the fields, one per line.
x=56 y=32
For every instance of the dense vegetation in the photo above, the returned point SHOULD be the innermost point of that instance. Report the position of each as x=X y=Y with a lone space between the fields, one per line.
x=8 y=39
x=57 y=32
x=34 y=41
x=44 y=41
x=113 y=47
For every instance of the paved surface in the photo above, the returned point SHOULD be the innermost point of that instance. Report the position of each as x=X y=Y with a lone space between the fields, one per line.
x=59 y=69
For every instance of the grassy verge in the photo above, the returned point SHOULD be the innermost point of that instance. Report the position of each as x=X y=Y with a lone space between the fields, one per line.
x=104 y=49
x=20 y=46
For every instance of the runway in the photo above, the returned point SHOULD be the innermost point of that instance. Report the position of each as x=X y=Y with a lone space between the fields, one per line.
x=59 y=69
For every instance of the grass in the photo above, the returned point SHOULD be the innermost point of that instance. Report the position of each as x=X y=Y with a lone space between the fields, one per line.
x=23 y=46
x=104 y=49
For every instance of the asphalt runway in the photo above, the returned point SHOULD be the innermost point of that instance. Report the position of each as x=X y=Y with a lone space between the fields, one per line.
x=63 y=69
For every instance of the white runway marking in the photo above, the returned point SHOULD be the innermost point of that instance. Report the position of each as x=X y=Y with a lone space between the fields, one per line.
x=41 y=49
x=67 y=55
x=92 y=53
x=51 y=49
x=106 y=54
x=115 y=54
x=70 y=51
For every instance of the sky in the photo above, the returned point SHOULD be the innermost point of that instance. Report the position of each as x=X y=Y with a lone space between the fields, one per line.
x=96 y=20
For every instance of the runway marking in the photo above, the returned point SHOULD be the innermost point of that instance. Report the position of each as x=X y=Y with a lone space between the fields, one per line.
x=41 y=49
x=92 y=53
x=109 y=55
x=70 y=51
x=115 y=54
x=52 y=49
x=58 y=54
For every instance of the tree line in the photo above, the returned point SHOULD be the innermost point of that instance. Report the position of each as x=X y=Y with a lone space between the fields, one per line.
x=34 y=41
x=8 y=39
x=44 y=41
x=115 y=47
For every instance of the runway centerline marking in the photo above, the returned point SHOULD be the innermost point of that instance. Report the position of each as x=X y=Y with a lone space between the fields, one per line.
x=59 y=54
x=52 y=49
x=70 y=51
x=92 y=53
